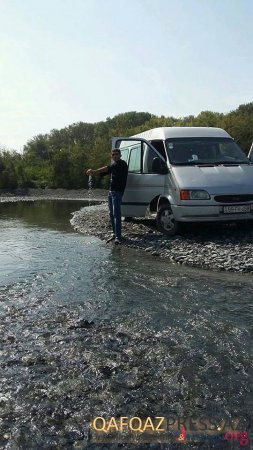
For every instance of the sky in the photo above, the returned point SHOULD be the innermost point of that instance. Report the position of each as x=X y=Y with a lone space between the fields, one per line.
x=66 y=61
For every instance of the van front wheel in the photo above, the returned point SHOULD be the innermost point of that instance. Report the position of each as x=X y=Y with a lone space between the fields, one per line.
x=166 y=222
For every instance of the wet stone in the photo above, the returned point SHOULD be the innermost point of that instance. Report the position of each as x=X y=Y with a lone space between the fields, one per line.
x=81 y=324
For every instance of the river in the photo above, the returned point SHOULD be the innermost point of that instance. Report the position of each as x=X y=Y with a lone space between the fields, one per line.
x=92 y=330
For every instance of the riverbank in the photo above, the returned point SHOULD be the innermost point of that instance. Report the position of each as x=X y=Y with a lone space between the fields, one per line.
x=211 y=247
x=214 y=247
x=51 y=194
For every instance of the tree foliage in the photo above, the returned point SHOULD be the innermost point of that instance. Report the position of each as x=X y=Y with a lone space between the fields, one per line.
x=12 y=173
x=61 y=157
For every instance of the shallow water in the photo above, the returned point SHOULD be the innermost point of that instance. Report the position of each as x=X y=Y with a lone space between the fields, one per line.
x=91 y=330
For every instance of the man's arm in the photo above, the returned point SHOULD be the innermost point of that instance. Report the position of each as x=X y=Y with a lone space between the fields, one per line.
x=97 y=171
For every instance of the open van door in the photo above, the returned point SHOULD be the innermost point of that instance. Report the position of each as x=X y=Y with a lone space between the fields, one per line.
x=146 y=174
x=250 y=155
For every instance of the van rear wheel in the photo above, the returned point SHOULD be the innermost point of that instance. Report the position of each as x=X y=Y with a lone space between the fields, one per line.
x=166 y=222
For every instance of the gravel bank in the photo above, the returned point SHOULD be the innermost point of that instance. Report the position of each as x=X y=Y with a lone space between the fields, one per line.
x=51 y=194
x=215 y=247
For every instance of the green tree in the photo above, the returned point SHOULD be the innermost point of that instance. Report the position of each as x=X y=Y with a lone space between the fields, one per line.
x=61 y=169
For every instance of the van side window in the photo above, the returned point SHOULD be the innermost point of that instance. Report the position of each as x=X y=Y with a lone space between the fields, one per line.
x=124 y=154
x=135 y=159
x=148 y=155
x=159 y=146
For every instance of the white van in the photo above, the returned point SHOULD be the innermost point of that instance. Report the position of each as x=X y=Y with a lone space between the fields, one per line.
x=186 y=174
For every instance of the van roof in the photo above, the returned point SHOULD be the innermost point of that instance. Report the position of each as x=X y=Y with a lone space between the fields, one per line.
x=181 y=132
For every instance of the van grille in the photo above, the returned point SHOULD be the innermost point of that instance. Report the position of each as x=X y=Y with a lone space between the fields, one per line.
x=233 y=198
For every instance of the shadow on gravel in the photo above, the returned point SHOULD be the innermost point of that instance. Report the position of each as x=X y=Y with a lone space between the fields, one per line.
x=237 y=231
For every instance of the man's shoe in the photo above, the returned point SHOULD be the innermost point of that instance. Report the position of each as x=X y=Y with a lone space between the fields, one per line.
x=110 y=239
x=117 y=241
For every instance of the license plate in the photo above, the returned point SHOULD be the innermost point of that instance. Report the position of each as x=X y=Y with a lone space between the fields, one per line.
x=235 y=209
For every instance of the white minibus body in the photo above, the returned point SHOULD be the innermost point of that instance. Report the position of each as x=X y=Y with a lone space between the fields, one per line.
x=186 y=174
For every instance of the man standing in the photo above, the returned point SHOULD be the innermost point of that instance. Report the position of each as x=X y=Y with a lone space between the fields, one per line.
x=118 y=170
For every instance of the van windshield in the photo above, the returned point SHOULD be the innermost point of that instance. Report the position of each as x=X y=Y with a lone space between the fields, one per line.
x=202 y=151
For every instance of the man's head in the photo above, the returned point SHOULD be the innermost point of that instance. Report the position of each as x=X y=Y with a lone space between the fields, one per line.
x=116 y=154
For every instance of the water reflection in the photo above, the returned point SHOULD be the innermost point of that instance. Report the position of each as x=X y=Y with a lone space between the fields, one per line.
x=49 y=214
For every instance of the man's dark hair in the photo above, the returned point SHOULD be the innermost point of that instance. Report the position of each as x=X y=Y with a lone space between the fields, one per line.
x=116 y=150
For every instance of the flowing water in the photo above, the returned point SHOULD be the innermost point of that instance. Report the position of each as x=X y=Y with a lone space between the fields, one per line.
x=91 y=330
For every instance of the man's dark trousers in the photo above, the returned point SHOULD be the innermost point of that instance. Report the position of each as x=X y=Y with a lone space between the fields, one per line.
x=114 y=201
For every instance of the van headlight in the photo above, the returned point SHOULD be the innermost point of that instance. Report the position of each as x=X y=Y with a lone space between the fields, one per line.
x=194 y=195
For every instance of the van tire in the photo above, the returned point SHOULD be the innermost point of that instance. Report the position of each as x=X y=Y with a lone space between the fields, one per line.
x=165 y=221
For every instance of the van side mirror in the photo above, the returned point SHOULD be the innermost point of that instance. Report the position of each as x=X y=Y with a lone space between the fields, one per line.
x=159 y=166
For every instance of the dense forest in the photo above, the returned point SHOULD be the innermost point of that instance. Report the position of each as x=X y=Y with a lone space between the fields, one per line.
x=58 y=159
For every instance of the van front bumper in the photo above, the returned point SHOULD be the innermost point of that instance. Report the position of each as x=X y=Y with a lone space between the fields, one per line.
x=210 y=213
